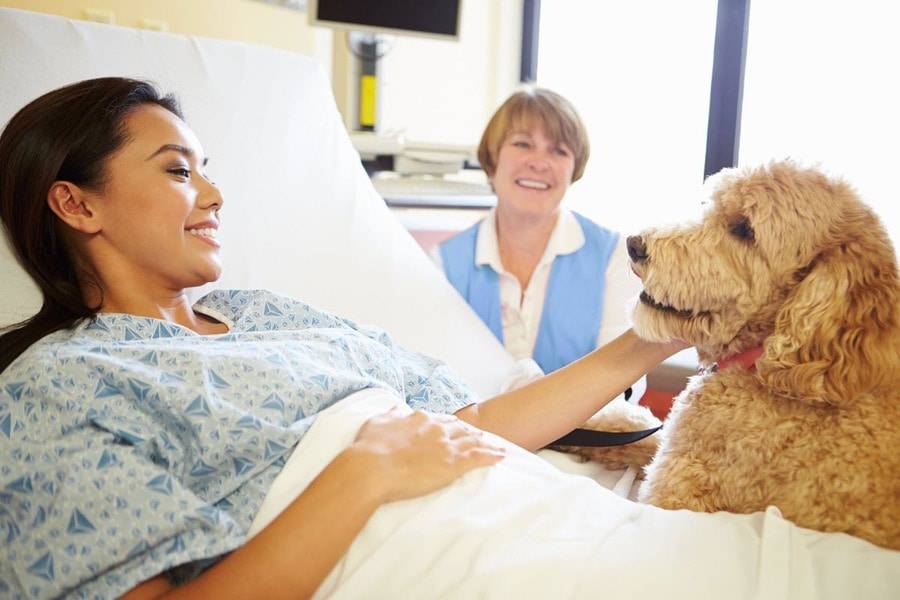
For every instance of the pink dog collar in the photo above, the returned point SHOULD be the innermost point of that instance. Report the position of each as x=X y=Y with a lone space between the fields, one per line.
x=746 y=359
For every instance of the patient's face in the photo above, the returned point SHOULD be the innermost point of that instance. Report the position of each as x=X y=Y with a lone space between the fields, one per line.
x=158 y=210
x=533 y=172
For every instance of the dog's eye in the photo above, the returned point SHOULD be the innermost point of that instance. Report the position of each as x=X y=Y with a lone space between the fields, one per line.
x=742 y=229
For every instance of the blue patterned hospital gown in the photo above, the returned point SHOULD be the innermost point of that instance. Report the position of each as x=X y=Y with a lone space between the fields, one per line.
x=130 y=446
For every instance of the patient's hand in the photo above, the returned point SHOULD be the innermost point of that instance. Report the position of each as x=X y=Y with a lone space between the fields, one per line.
x=411 y=455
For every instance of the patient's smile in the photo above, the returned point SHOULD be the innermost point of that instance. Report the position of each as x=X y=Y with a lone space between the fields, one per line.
x=205 y=234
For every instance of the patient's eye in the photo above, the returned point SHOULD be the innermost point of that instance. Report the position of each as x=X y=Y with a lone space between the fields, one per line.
x=742 y=229
x=181 y=172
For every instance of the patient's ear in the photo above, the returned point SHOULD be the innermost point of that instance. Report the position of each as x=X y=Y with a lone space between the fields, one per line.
x=73 y=206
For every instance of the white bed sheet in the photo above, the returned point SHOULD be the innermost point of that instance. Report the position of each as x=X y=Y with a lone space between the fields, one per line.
x=524 y=529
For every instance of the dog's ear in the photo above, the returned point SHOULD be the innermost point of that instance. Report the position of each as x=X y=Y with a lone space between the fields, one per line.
x=836 y=335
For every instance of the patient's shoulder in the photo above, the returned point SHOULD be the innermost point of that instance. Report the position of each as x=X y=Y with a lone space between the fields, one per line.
x=45 y=352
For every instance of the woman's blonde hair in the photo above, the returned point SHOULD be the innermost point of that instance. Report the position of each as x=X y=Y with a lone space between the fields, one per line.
x=556 y=116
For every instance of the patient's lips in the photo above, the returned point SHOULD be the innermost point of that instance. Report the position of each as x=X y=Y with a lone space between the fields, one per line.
x=205 y=231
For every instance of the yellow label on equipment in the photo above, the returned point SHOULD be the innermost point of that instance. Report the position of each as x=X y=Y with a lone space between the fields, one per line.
x=367 y=93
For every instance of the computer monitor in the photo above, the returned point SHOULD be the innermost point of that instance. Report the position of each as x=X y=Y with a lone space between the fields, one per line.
x=430 y=18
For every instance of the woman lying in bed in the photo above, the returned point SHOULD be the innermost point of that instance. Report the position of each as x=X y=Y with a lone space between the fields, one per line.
x=139 y=433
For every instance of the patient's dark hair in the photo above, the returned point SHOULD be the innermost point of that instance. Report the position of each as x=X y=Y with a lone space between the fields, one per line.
x=68 y=134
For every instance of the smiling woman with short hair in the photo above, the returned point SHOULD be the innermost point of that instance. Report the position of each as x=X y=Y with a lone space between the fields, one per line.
x=549 y=283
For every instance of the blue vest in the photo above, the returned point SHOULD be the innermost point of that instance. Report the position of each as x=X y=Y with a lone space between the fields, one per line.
x=573 y=306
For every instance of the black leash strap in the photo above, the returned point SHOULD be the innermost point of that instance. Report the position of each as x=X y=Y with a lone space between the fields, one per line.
x=598 y=439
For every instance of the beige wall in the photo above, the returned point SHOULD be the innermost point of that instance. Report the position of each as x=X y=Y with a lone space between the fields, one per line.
x=243 y=20
x=431 y=90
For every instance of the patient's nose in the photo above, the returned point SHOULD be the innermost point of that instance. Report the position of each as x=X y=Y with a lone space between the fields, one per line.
x=636 y=248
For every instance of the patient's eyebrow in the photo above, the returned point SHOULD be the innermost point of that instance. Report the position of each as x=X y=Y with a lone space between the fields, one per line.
x=187 y=152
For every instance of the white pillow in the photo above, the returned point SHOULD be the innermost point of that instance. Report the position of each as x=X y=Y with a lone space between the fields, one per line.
x=301 y=217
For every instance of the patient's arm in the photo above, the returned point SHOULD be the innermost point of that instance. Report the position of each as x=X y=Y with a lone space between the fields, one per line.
x=545 y=410
x=292 y=556
x=393 y=458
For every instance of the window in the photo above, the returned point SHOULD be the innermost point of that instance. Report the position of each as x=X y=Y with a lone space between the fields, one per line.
x=639 y=74
x=821 y=85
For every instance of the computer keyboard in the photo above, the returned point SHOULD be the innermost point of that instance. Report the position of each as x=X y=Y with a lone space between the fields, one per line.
x=433 y=191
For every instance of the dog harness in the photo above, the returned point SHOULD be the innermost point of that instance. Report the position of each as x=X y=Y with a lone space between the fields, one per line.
x=746 y=359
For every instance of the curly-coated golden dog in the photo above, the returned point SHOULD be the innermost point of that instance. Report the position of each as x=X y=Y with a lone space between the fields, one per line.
x=790 y=270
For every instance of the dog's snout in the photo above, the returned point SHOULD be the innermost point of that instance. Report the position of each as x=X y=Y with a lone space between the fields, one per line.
x=636 y=248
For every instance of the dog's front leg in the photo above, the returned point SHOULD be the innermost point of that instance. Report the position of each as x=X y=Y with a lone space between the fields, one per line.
x=681 y=482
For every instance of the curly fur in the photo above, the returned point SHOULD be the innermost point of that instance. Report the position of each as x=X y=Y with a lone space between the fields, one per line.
x=617 y=416
x=791 y=260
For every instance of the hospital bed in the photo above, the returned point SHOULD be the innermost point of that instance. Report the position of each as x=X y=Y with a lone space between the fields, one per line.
x=301 y=218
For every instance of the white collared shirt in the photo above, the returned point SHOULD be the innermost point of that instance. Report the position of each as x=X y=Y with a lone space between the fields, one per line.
x=521 y=312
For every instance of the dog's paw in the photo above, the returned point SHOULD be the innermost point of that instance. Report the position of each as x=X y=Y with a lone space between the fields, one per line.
x=620 y=416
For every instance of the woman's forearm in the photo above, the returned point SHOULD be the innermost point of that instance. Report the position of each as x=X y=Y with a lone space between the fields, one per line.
x=292 y=556
x=395 y=456
x=545 y=410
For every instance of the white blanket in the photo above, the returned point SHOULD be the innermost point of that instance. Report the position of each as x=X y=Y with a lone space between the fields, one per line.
x=524 y=529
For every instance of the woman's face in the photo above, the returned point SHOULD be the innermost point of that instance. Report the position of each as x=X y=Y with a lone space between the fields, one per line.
x=533 y=172
x=159 y=212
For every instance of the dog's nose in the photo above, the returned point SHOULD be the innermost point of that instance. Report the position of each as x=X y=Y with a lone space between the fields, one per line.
x=636 y=248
